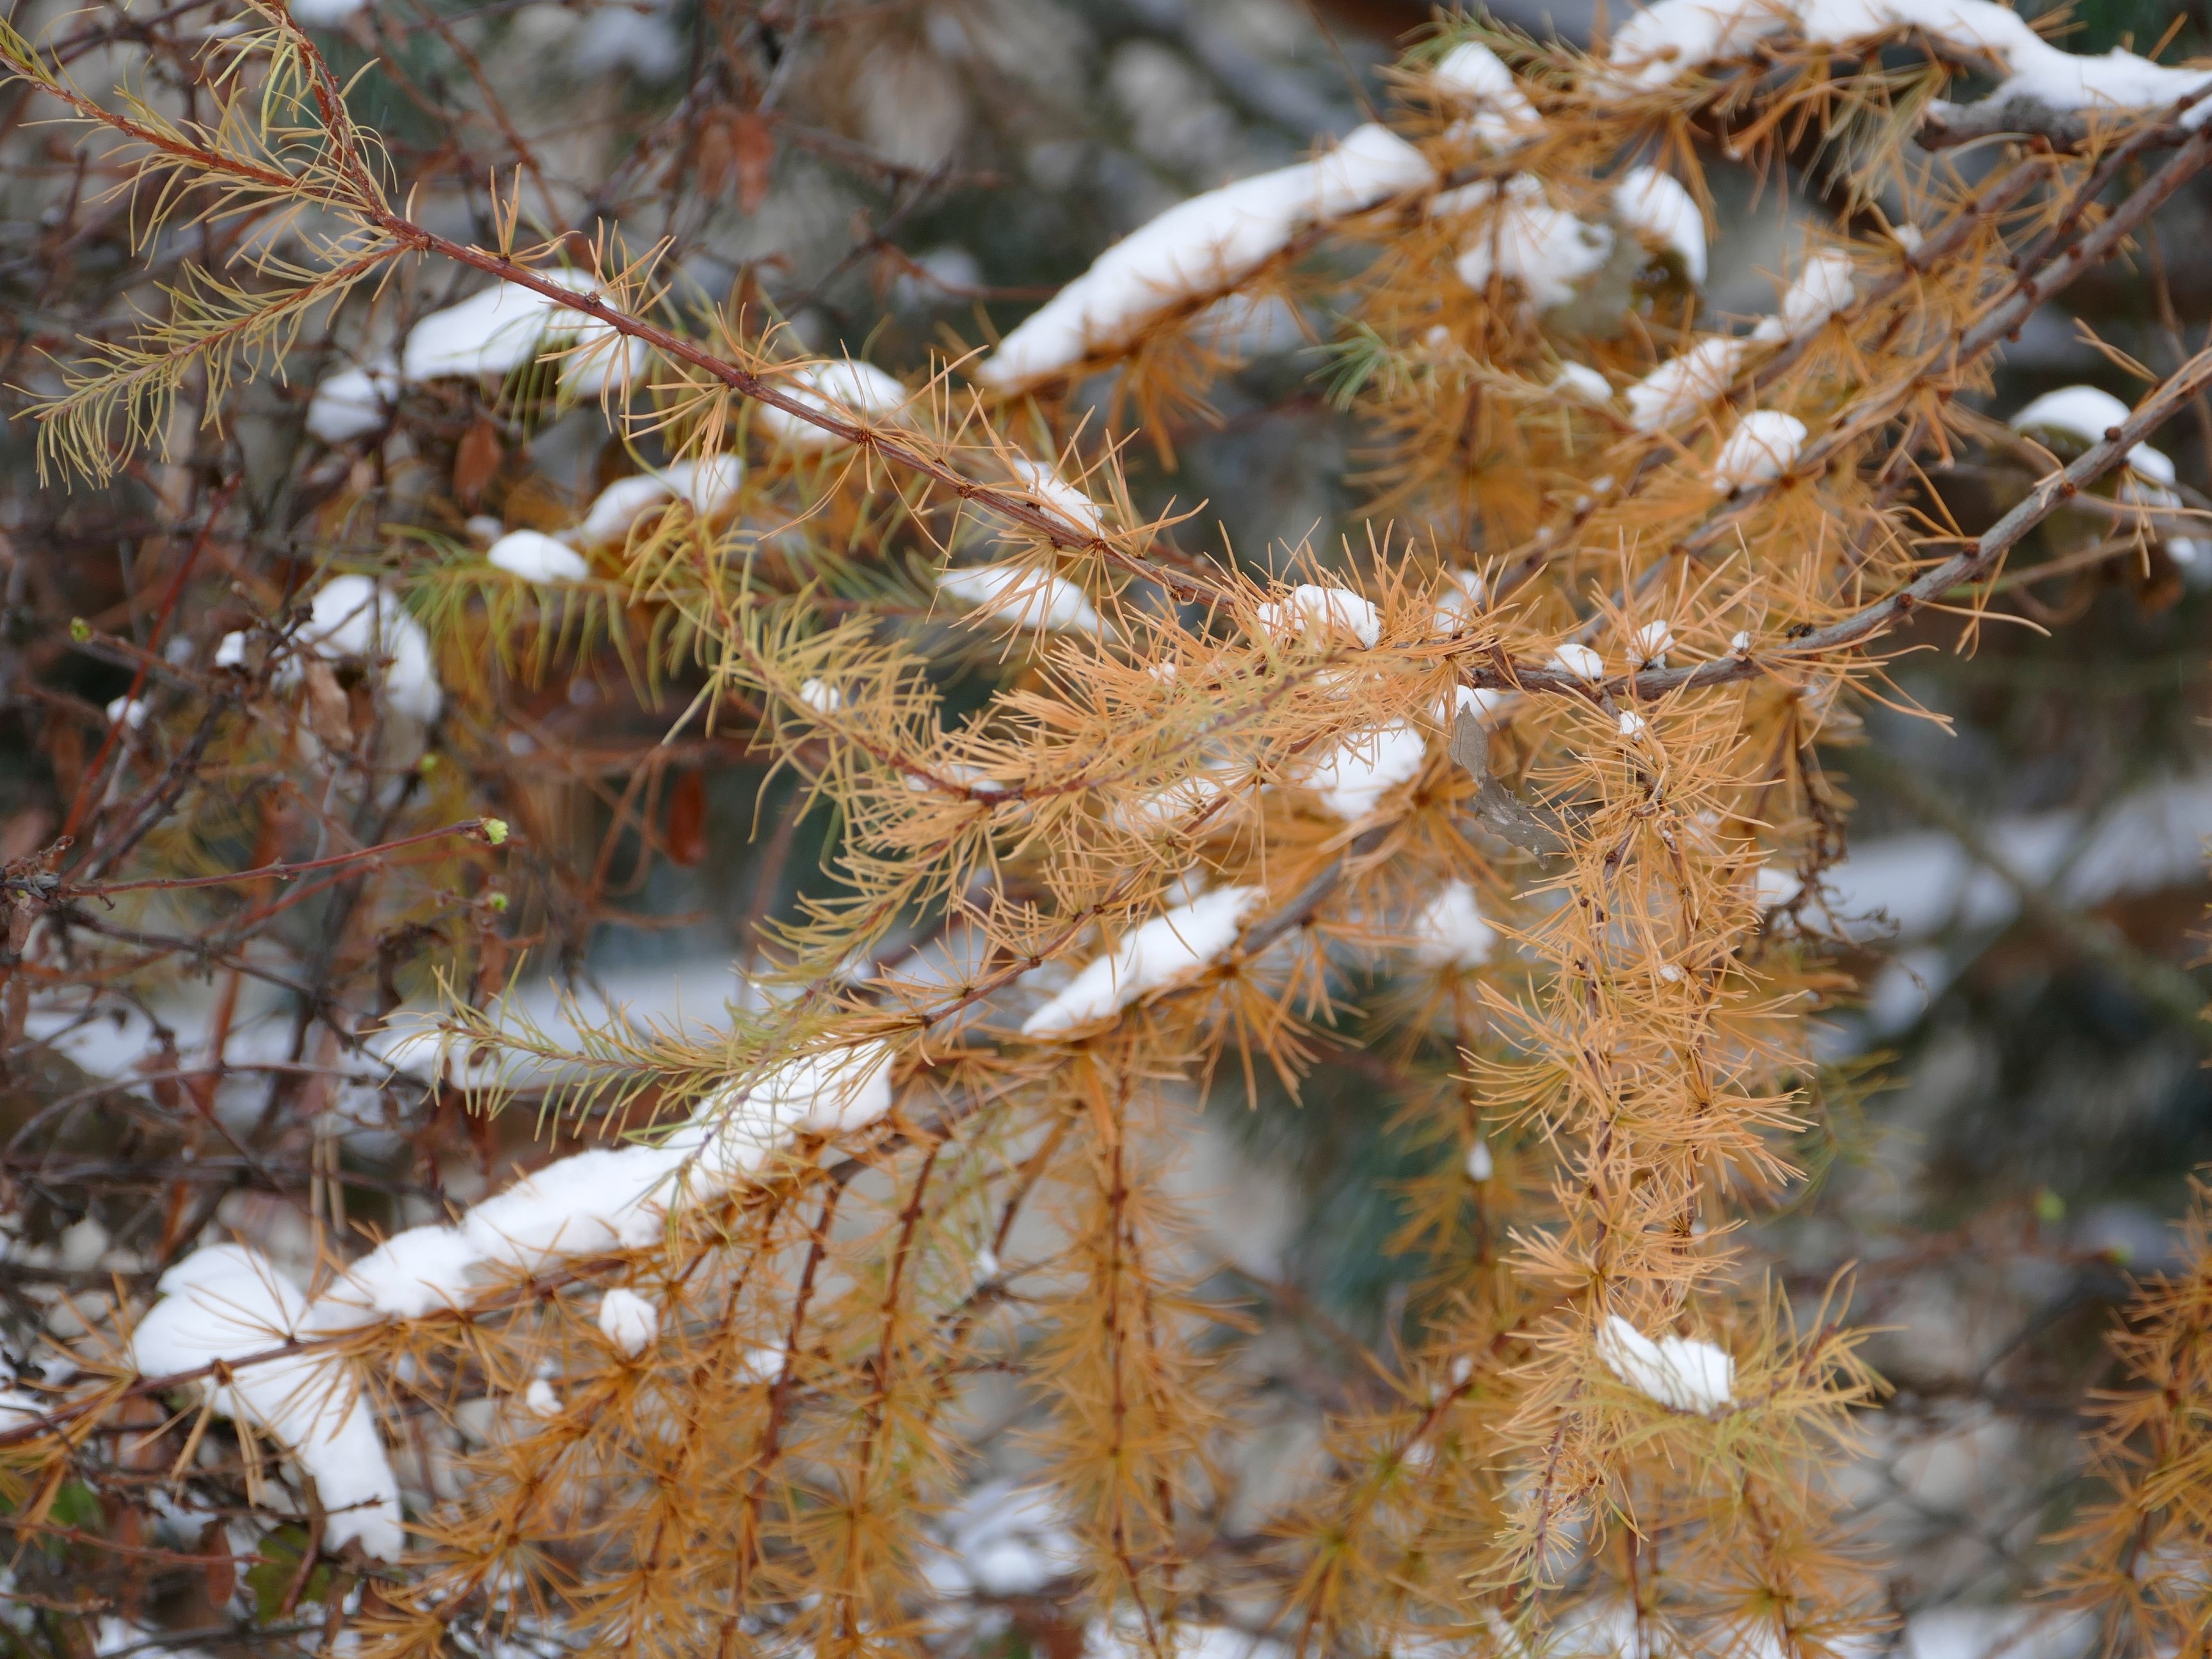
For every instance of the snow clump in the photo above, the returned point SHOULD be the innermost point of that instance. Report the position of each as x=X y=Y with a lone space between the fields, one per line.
x=1366 y=766
x=1171 y=947
x=1679 y=37
x=1823 y=288
x=1542 y=249
x=1061 y=500
x=536 y=557
x=2075 y=419
x=1657 y=208
x=1206 y=243
x=856 y=391
x=1472 y=77
x=1684 y=384
x=1025 y=598
x=1580 y=661
x=1310 y=608
x=628 y=1321
x=227 y=1302
x=1450 y=932
x=353 y=402
x=352 y=617
x=1763 y=446
x=1682 y=1375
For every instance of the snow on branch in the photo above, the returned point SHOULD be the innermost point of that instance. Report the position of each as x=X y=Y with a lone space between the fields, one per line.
x=1198 y=247
x=1023 y=598
x=490 y=334
x=1679 y=1373
x=856 y=392
x=1169 y=948
x=351 y=616
x=1677 y=38
x=227 y=1302
x=1473 y=78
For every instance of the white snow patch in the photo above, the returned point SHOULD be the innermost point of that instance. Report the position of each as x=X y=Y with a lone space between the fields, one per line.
x=491 y=333
x=628 y=1320
x=600 y=1200
x=1209 y=242
x=21 y=1410
x=832 y=1092
x=353 y=402
x=227 y=1302
x=1169 y=947
x=610 y=1197
x=421 y=1271
x=1679 y=1373
x=1823 y=288
x=1648 y=646
x=644 y=43
x=1579 y=660
x=1450 y=932
x=1684 y=384
x=1475 y=701
x=1474 y=78
x=858 y=392
x=2081 y=413
x=324 y=13
x=1311 y=609
x=1061 y=500
x=1776 y=883
x=620 y=506
x=1026 y=598
x=2115 y=80
x=1969 y=26
x=1581 y=383
x=352 y=617
x=1480 y=1166
x=1004 y=1540
x=1763 y=446
x=1544 y=250
x=1366 y=766
x=1657 y=207
x=1675 y=37
x=710 y=484
x=536 y=557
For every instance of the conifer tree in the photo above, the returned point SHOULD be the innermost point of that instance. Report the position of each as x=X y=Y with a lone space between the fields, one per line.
x=1516 y=790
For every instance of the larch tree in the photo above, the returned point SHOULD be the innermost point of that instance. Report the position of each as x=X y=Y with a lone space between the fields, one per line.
x=852 y=1308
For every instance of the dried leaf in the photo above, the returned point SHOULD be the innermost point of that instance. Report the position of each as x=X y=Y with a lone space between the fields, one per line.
x=329 y=710
x=1504 y=813
x=475 y=462
x=753 y=147
x=686 y=834
x=219 y=1572
x=714 y=158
